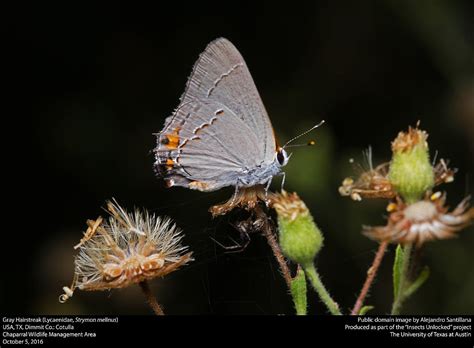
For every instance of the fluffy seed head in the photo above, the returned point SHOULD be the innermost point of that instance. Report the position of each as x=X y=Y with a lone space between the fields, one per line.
x=126 y=248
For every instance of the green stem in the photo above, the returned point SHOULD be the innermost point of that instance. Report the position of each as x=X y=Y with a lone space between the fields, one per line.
x=298 y=292
x=398 y=301
x=313 y=276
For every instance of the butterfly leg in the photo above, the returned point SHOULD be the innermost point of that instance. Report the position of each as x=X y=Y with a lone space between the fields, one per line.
x=234 y=196
x=267 y=187
x=283 y=174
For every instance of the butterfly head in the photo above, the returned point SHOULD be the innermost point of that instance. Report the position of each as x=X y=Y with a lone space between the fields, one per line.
x=282 y=157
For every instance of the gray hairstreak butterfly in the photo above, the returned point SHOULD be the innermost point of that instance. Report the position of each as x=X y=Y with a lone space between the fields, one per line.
x=220 y=134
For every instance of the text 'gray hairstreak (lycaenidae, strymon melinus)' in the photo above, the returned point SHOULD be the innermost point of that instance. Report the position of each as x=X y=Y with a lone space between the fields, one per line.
x=220 y=134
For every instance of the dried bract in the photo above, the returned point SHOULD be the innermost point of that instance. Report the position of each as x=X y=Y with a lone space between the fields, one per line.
x=372 y=183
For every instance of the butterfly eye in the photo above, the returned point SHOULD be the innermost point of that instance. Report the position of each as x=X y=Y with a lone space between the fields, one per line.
x=282 y=157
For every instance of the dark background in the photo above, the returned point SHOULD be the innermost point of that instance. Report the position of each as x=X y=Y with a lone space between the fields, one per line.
x=94 y=84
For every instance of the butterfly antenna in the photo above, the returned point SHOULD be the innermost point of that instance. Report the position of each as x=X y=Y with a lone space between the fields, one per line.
x=309 y=143
x=304 y=133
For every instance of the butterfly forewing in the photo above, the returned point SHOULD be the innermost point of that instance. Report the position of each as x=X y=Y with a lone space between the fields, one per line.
x=221 y=74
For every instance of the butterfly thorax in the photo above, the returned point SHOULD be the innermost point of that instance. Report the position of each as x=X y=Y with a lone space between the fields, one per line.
x=261 y=174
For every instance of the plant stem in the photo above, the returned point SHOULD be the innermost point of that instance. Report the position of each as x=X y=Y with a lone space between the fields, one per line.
x=398 y=301
x=267 y=231
x=151 y=299
x=371 y=273
x=313 y=276
x=298 y=292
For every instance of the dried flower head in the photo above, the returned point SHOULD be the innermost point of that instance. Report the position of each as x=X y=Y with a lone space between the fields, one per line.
x=406 y=141
x=422 y=221
x=442 y=173
x=375 y=182
x=372 y=183
x=245 y=197
x=289 y=205
x=126 y=249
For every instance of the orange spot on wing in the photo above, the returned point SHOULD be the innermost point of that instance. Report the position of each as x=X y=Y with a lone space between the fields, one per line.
x=169 y=163
x=173 y=139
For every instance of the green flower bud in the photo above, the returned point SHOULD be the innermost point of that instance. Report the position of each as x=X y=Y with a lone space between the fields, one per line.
x=300 y=238
x=411 y=173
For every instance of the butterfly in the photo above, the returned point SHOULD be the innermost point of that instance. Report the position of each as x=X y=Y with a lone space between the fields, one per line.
x=220 y=134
